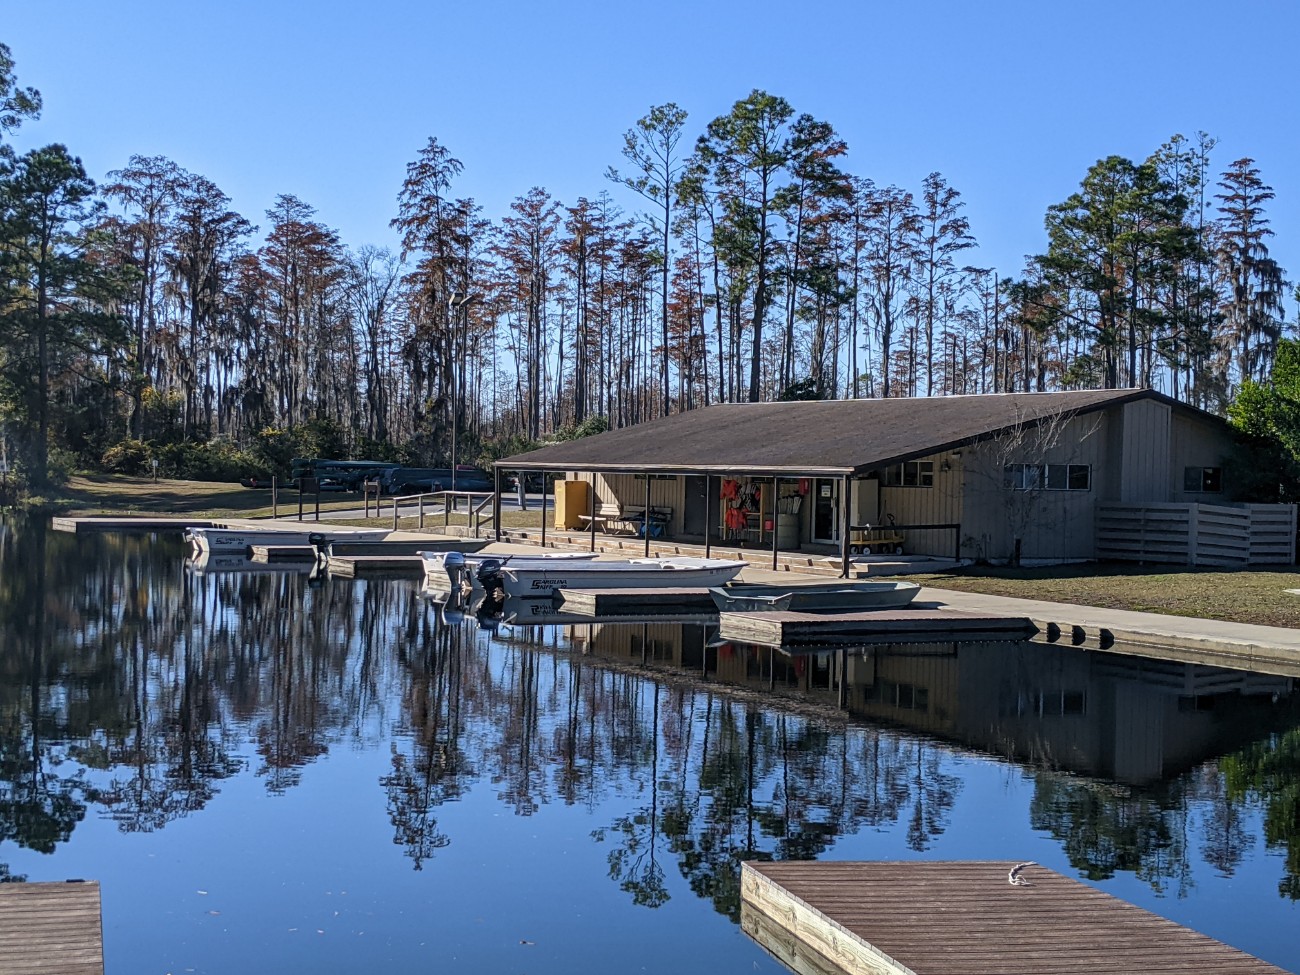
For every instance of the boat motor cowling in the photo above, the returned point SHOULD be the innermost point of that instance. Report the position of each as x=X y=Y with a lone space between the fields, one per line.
x=489 y=574
x=454 y=564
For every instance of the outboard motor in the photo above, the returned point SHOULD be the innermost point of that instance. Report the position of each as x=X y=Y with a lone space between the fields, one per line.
x=320 y=543
x=454 y=563
x=489 y=575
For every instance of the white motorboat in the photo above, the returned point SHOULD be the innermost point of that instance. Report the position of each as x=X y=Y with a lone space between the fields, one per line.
x=458 y=569
x=541 y=580
x=242 y=539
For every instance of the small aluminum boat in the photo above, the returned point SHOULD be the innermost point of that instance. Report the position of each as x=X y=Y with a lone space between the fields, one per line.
x=541 y=580
x=458 y=568
x=844 y=597
x=234 y=540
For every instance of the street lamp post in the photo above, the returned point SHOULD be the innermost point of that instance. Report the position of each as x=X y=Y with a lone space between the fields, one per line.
x=459 y=302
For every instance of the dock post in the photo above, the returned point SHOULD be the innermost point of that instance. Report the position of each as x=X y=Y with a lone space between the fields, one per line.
x=708 y=513
x=591 y=510
x=496 y=499
x=844 y=526
x=394 y=514
x=275 y=495
x=317 y=496
x=645 y=518
x=421 y=510
x=545 y=496
x=776 y=487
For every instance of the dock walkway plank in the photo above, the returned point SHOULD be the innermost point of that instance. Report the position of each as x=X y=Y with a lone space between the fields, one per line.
x=916 y=625
x=51 y=927
x=933 y=918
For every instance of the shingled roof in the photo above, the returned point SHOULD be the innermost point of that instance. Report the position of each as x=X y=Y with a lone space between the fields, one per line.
x=823 y=437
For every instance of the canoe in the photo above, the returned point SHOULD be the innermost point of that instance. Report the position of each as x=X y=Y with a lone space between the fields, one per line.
x=465 y=569
x=539 y=580
x=232 y=540
x=845 y=597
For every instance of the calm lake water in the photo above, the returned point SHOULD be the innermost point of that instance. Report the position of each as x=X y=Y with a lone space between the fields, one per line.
x=270 y=772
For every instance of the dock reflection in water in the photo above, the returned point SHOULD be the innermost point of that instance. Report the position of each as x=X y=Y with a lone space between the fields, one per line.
x=244 y=760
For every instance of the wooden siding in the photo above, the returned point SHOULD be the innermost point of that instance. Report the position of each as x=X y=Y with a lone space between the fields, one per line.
x=937 y=505
x=49 y=928
x=1195 y=443
x=628 y=490
x=1197 y=534
x=941 y=918
x=1052 y=524
x=1145 y=458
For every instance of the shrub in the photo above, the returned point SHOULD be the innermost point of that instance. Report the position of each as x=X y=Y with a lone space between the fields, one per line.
x=126 y=457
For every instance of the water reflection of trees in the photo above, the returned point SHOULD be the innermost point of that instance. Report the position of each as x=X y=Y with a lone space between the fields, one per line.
x=133 y=687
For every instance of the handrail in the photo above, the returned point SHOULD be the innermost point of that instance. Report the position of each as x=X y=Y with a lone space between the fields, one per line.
x=449 y=501
x=477 y=513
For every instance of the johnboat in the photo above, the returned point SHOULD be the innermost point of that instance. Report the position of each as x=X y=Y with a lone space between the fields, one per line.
x=541 y=580
x=242 y=539
x=460 y=568
x=844 y=597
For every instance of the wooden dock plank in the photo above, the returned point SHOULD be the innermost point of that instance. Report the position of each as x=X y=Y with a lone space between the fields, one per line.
x=612 y=602
x=894 y=626
x=931 y=918
x=126 y=523
x=370 y=566
x=51 y=927
x=283 y=553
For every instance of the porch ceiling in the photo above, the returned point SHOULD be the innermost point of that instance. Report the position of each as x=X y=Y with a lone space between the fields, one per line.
x=824 y=437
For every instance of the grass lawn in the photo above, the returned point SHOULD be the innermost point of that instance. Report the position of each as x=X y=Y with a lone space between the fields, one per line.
x=107 y=494
x=1243 y=596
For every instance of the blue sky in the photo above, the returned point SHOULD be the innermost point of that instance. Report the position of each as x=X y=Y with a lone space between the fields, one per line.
x=1011 y=101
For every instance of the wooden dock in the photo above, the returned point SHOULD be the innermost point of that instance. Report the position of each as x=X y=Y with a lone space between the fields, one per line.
x=631 y=602
x=84 y=526
x=376 y=566
x=934 y=918
x=283 y=553
x=46 y=928
x=779 y=629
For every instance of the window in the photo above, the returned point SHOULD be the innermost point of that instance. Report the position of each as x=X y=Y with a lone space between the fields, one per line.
x=913 y=473
x=1050 y=477
x=1203 y=480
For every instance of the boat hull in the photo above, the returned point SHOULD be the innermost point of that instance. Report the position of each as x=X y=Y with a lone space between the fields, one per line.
x=543 y=581
x=847 y=598
x=237 y=540
x=437 y=576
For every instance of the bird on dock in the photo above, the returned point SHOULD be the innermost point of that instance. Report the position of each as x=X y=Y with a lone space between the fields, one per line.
x=1014 y=878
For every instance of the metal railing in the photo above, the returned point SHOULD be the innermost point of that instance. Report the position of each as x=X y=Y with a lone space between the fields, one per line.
x=448 y=502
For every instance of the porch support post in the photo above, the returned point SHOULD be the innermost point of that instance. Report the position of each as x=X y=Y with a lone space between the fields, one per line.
x=545 y=495
x=776 y=487
x=496 y=498
x=645 y=518
x=708 y=513
x=844 y=525
x=591 y=510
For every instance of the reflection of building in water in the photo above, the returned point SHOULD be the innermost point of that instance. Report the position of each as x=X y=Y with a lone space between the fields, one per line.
x=1124 y=718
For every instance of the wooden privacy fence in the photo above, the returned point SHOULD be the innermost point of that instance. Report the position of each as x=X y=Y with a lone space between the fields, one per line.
x=1197 y=534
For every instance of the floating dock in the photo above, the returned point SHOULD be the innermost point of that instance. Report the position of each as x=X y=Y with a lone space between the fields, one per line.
x=779 y=629
x=376 y=566
x=625 y=602
x=965 y=918
x=84 y=526
x=283 y=553
x=47 y=928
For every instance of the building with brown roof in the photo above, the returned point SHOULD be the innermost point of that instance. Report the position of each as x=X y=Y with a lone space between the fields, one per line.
x=1002 y=473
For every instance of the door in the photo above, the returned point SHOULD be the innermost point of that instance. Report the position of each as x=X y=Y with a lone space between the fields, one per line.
x=826 y=510
x=695 y=503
